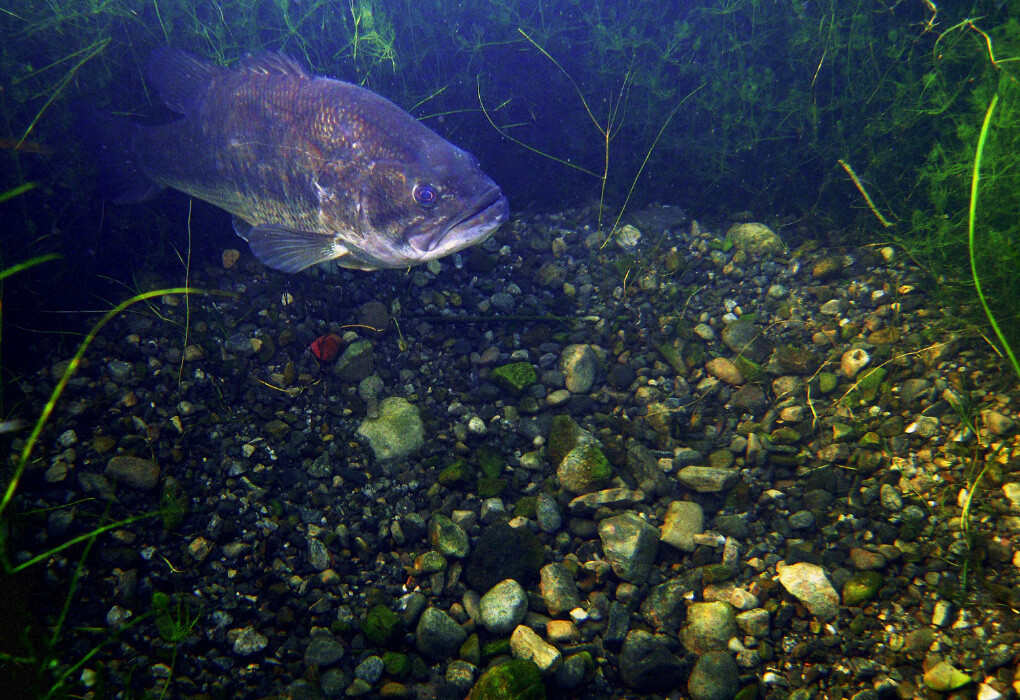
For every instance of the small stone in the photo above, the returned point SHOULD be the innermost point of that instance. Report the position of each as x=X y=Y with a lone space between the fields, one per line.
x=397 y=432
x=944 y=677
x=514 y=680
x=630 y=545
x=199 y=548
x=438 y=635
x=138 y=473
x=647 y=666
x=229 y=257
x=627 y=236
x=853 y=361
x=755 y=239
x=861 y=587
x=723 y=369
x=710 y=627
x=447 y=537
x=683 y=520
x=526 y=645
x=323 y=650
x=547 y=513
x=579 y=364
x=715 y=677
x=998 y=423
x=558 y=589
x=503 y=607
x=809 y=584
x=247 y=641
x=707 y=479
x=584 y=469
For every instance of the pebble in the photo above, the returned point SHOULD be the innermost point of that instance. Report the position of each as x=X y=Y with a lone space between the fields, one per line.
x=447 y=537
x=853 y=361
x=579 y=364
x=715 y=677
x=558 y=589
x=547 y=513
x=138 y=473
x=438 y=635
x=525 y=644
x=809 y=584
x=723 y=369
x=630 y=545
x=323 y=650
x=683 y=520
x=398 y=431
x=503 y=607
x=647 y=666
x=707 y=479
x=710 y=627
x=247 y=641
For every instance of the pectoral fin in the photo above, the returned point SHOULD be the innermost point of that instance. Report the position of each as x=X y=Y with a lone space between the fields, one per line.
x=287 y=249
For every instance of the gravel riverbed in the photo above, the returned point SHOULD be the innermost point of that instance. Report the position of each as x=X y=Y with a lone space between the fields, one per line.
x=705 y=461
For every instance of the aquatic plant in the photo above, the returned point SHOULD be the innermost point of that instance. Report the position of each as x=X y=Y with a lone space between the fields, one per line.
x=31 y=656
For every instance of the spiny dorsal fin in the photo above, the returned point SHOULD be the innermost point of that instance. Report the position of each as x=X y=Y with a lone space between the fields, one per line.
x=267 y=63
x=179 y=78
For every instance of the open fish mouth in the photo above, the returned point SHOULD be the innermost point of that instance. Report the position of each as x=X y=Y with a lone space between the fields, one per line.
x=489 y=211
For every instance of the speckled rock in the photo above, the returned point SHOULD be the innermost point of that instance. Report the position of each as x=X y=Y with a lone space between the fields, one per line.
x=684 y=520
x=397 y=432
x=647 y=666
x=710 y=627
x=755 y=239
x=630 y=545
x=503 y=607
x=525 y=644
x=584 y=469
x=438 y=635
x=580 y=365
x=809 y=584
x=716 y=676
x=138 y=473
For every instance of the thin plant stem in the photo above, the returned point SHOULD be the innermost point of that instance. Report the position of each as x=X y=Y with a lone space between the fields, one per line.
x=971 y=222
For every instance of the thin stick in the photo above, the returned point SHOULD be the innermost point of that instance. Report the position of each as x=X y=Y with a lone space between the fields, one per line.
x=864 y=193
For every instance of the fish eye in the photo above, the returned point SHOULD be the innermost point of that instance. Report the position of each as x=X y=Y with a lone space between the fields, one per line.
x=425 y=195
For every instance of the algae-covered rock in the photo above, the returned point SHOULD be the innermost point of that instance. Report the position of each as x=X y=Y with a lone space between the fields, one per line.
x=584 y=469
x=514 y=377
x=397 y=432
x=514 y=680
x=382 y=626
x=755 y=239
x=861 y=587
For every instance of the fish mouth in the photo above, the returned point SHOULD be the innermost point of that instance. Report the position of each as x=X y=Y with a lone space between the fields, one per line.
x=487 y=213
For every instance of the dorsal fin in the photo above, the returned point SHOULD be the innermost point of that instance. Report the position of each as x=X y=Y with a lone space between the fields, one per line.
x=179 y=78
x=267 y=63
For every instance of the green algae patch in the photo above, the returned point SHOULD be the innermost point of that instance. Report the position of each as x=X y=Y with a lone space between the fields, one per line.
x=514 y=377
x=514 y=680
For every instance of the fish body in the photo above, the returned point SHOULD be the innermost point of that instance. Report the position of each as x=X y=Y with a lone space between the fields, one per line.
x=313 y=169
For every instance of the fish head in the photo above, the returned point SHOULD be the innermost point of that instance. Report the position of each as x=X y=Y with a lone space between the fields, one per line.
x=415 y=209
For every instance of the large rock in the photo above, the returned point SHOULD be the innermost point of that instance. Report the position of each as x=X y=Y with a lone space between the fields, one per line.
x=646 y=665
x=580 y=366
x=630 y=545
x=584 y=469
x=397 y=432
x=809 y=584
x=138 y=473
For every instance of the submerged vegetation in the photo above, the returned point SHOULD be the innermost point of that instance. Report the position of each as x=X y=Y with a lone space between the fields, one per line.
x=860 y=114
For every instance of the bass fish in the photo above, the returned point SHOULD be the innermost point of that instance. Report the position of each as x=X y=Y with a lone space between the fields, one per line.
x=313 y=169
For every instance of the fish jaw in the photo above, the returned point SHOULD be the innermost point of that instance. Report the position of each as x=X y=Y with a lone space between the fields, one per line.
x=487 y=213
